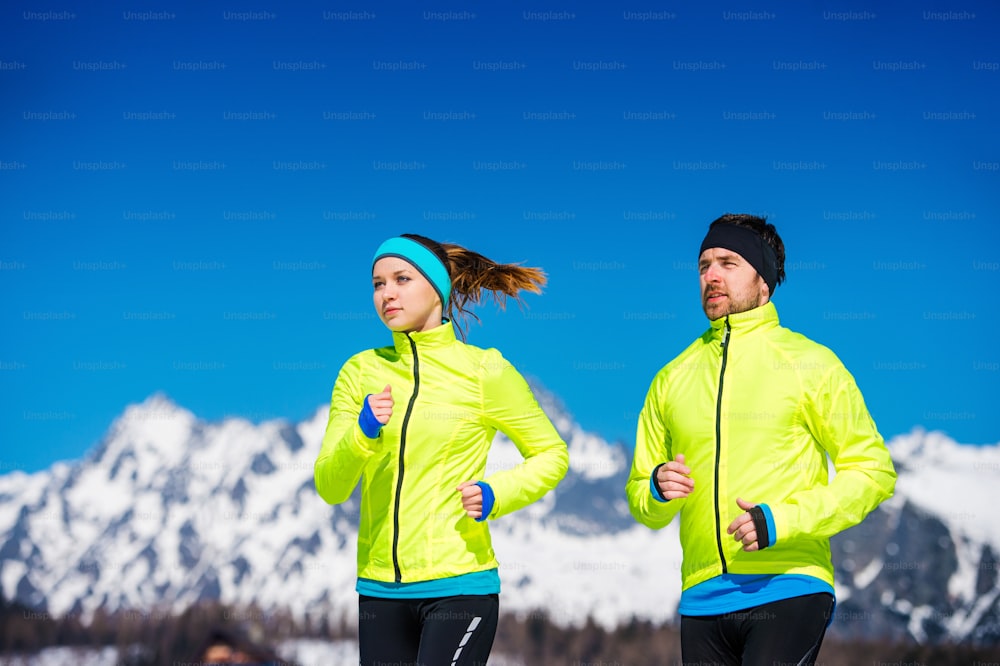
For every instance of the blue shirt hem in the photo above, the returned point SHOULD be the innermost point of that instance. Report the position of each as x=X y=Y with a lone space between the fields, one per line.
x=479 y=582
x=735 y=592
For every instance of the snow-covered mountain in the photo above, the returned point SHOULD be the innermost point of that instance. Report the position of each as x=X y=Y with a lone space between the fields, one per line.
x=170 y=509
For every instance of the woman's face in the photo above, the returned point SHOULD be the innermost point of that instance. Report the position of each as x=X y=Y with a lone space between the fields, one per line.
x=404 y=299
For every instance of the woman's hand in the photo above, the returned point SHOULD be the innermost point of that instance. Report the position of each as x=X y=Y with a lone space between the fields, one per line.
x=381 y=404
x=472 y=499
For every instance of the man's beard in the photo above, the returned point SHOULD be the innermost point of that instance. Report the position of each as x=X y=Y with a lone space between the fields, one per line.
x=733 y=304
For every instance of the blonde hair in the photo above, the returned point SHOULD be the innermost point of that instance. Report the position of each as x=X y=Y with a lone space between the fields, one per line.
x=474 y=278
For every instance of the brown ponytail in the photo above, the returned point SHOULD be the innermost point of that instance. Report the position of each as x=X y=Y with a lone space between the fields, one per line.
x=472 y=275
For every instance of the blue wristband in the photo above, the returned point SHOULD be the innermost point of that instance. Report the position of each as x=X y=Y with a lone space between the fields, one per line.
x=366 y=419
x=772 y=531
x=489 y=499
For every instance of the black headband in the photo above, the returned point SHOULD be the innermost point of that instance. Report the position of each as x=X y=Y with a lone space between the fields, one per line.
x=748 y=244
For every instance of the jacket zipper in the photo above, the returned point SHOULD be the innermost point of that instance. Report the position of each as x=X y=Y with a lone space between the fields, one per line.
x=402 y=451
x=718 y=443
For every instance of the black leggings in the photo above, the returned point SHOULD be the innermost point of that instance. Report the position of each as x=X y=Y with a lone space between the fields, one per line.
x=789 y=631
x=445 y=631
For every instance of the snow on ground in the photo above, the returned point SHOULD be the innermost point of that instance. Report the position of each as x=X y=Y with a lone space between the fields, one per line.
x=64 y=656
x=302 y=652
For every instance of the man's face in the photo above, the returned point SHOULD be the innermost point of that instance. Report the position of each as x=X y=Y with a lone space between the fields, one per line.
x=729 y=284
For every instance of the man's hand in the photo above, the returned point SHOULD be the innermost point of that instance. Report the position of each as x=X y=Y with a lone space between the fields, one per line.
x=381 y=404
x=743 y=529
x=674 y=478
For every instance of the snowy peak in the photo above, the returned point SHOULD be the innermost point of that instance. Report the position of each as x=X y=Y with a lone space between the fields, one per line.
x=156 y=428
x=921 y=447
x=590 y=456
x=953 y=482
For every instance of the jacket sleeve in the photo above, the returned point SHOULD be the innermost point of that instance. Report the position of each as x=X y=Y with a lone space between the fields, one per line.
x=837 y=417
x=652 y=447
x=345 y=450
x=510 y=407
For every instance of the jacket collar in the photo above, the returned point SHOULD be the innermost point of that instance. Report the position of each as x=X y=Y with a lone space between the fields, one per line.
x=439 y=336
x=742 y=323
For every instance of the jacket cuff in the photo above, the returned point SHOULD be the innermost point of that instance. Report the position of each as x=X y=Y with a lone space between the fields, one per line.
x=489 y=499
x=763 y=523
x=654 y=488
x=366 y=419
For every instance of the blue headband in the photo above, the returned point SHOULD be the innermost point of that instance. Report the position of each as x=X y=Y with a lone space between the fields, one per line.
x=423 y=259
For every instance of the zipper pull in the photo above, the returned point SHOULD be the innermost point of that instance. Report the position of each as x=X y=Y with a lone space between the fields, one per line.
x=725 y=333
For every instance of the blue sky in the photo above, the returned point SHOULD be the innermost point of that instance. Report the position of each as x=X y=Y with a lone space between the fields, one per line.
x=190 y=195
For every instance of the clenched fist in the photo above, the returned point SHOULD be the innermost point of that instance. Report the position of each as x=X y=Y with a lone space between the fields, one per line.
x=472 y=499
x=674 y=479
x=381 y=404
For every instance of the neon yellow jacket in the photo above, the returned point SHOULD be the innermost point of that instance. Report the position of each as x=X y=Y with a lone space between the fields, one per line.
x=756 y=413
x=450 y=398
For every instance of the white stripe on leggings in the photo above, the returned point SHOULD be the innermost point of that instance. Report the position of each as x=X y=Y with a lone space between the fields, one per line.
x=465 y=639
